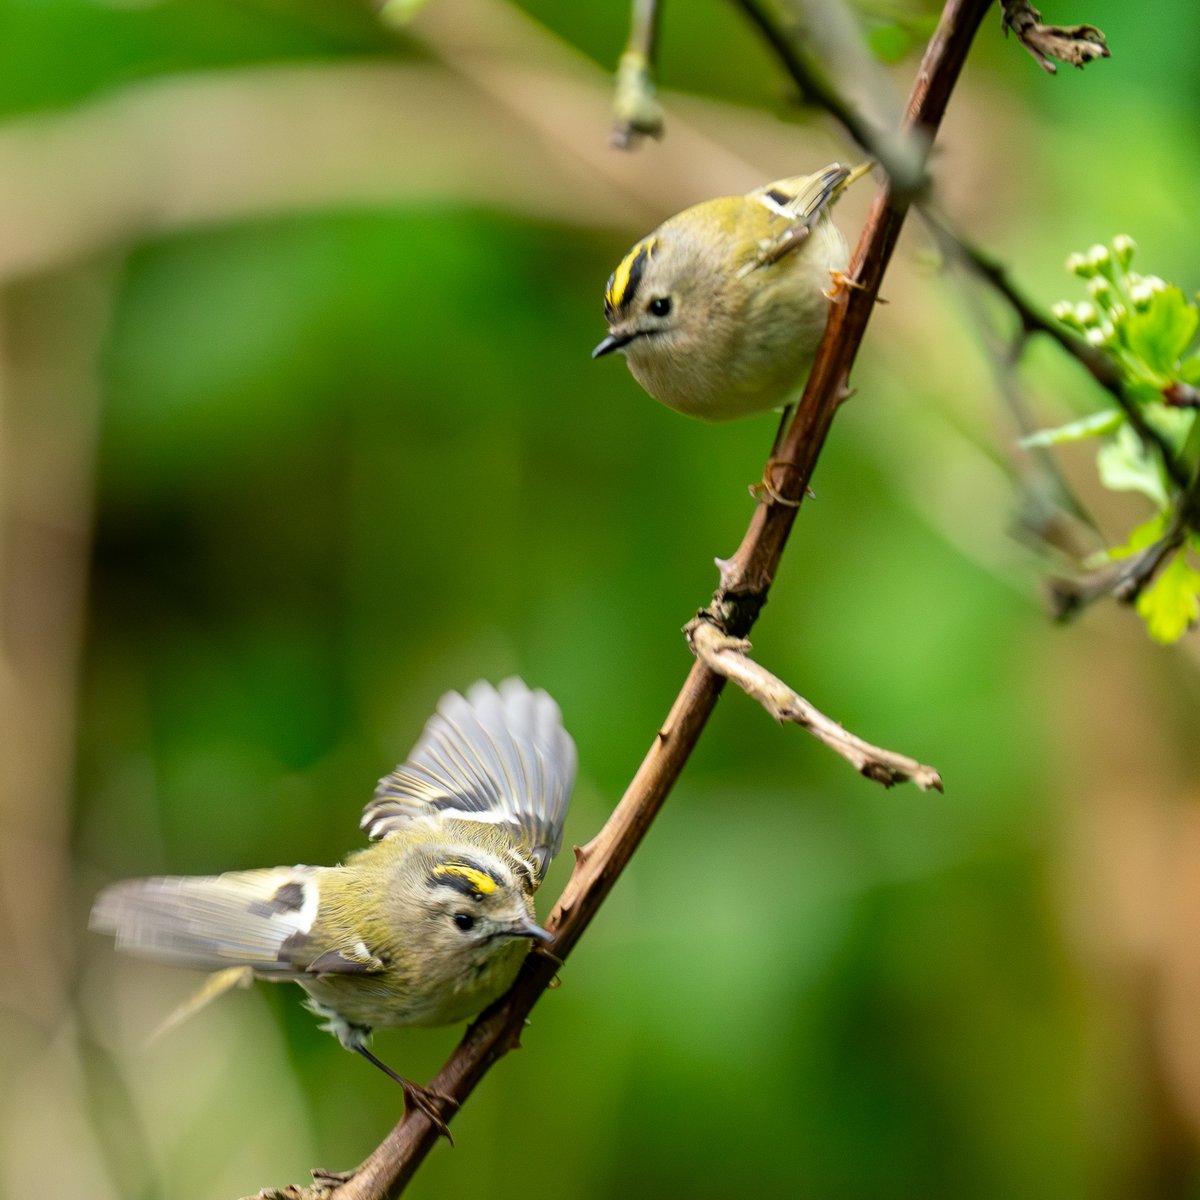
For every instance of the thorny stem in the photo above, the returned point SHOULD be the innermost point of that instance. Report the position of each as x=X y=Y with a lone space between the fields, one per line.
x=746 y=577
x=386 y=1172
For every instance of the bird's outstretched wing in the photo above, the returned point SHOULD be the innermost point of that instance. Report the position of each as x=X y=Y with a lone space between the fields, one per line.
x=499 y=755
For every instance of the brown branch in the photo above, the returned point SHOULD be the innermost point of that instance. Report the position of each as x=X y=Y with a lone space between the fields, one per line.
x=730 y=658
x=902 y=158
x=1126 y=579
x=1074 y=44
x=745 y=580
x=635 y=105
x=746 y=577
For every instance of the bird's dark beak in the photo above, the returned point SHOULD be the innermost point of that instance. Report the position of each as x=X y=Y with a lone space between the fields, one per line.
x=530 y=929
x=614 y=341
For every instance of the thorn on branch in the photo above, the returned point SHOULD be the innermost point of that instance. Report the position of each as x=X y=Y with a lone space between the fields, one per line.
x=1074 y=44
x=729 y=657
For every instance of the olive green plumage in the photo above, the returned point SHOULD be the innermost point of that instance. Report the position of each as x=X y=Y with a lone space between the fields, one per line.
x=719 y=311
x=424 y=968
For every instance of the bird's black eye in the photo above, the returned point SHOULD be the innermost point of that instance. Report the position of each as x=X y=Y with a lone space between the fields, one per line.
x=660 y=306
x=464 y=921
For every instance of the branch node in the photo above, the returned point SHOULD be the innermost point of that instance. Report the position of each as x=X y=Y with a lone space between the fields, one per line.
x=734 y=609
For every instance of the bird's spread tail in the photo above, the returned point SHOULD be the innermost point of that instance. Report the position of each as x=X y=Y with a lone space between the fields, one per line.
x=210 y=923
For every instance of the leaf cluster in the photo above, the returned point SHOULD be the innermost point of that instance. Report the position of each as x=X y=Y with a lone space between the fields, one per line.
x=1147 y=329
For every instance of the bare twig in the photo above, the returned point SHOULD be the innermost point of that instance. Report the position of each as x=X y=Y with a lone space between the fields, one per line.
x=601 y=861
x=730 y=657
x=902 y=158
x=635 y=105
x=1124 y=580
x=1074 y=44
x=1127 y=578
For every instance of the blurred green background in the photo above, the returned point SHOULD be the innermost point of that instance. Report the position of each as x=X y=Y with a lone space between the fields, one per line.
x=299 y=430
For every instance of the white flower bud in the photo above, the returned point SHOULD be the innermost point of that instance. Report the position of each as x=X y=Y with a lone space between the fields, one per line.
x=1100 y=260
x=1077 y=264
x=1123 y=248
x=1143 y=290
x=1101 y=291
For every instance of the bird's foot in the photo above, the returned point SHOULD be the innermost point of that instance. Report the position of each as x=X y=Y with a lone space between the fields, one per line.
x=546 y=953
x=432 y=1103
x=839 y=284
x=765 y=490
x=427 y=1100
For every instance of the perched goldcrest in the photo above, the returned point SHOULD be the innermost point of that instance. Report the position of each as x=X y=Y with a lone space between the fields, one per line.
x=426 y=927
x=720 y=310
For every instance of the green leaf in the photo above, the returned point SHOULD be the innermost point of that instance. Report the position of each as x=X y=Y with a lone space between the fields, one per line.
x=1189 y=370
x=1144 y=391
x=1143 y=535
x=1106 y=421
x=1171 y=604
x=1173 y=425
x=1126 y=466
x=1160 y=334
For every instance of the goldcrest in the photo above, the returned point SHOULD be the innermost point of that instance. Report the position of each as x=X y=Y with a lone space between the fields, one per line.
x=427 y=926
x=720 y=310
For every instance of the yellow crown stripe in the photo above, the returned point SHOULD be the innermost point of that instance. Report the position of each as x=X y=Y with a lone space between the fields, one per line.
x=480 y=881
x=630 y=270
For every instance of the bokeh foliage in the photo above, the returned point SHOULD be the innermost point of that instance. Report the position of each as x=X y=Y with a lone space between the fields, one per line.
x=337 y=456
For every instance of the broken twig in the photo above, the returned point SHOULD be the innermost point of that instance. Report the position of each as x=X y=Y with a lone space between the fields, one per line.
x=730 y=657
x=1074 y=44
